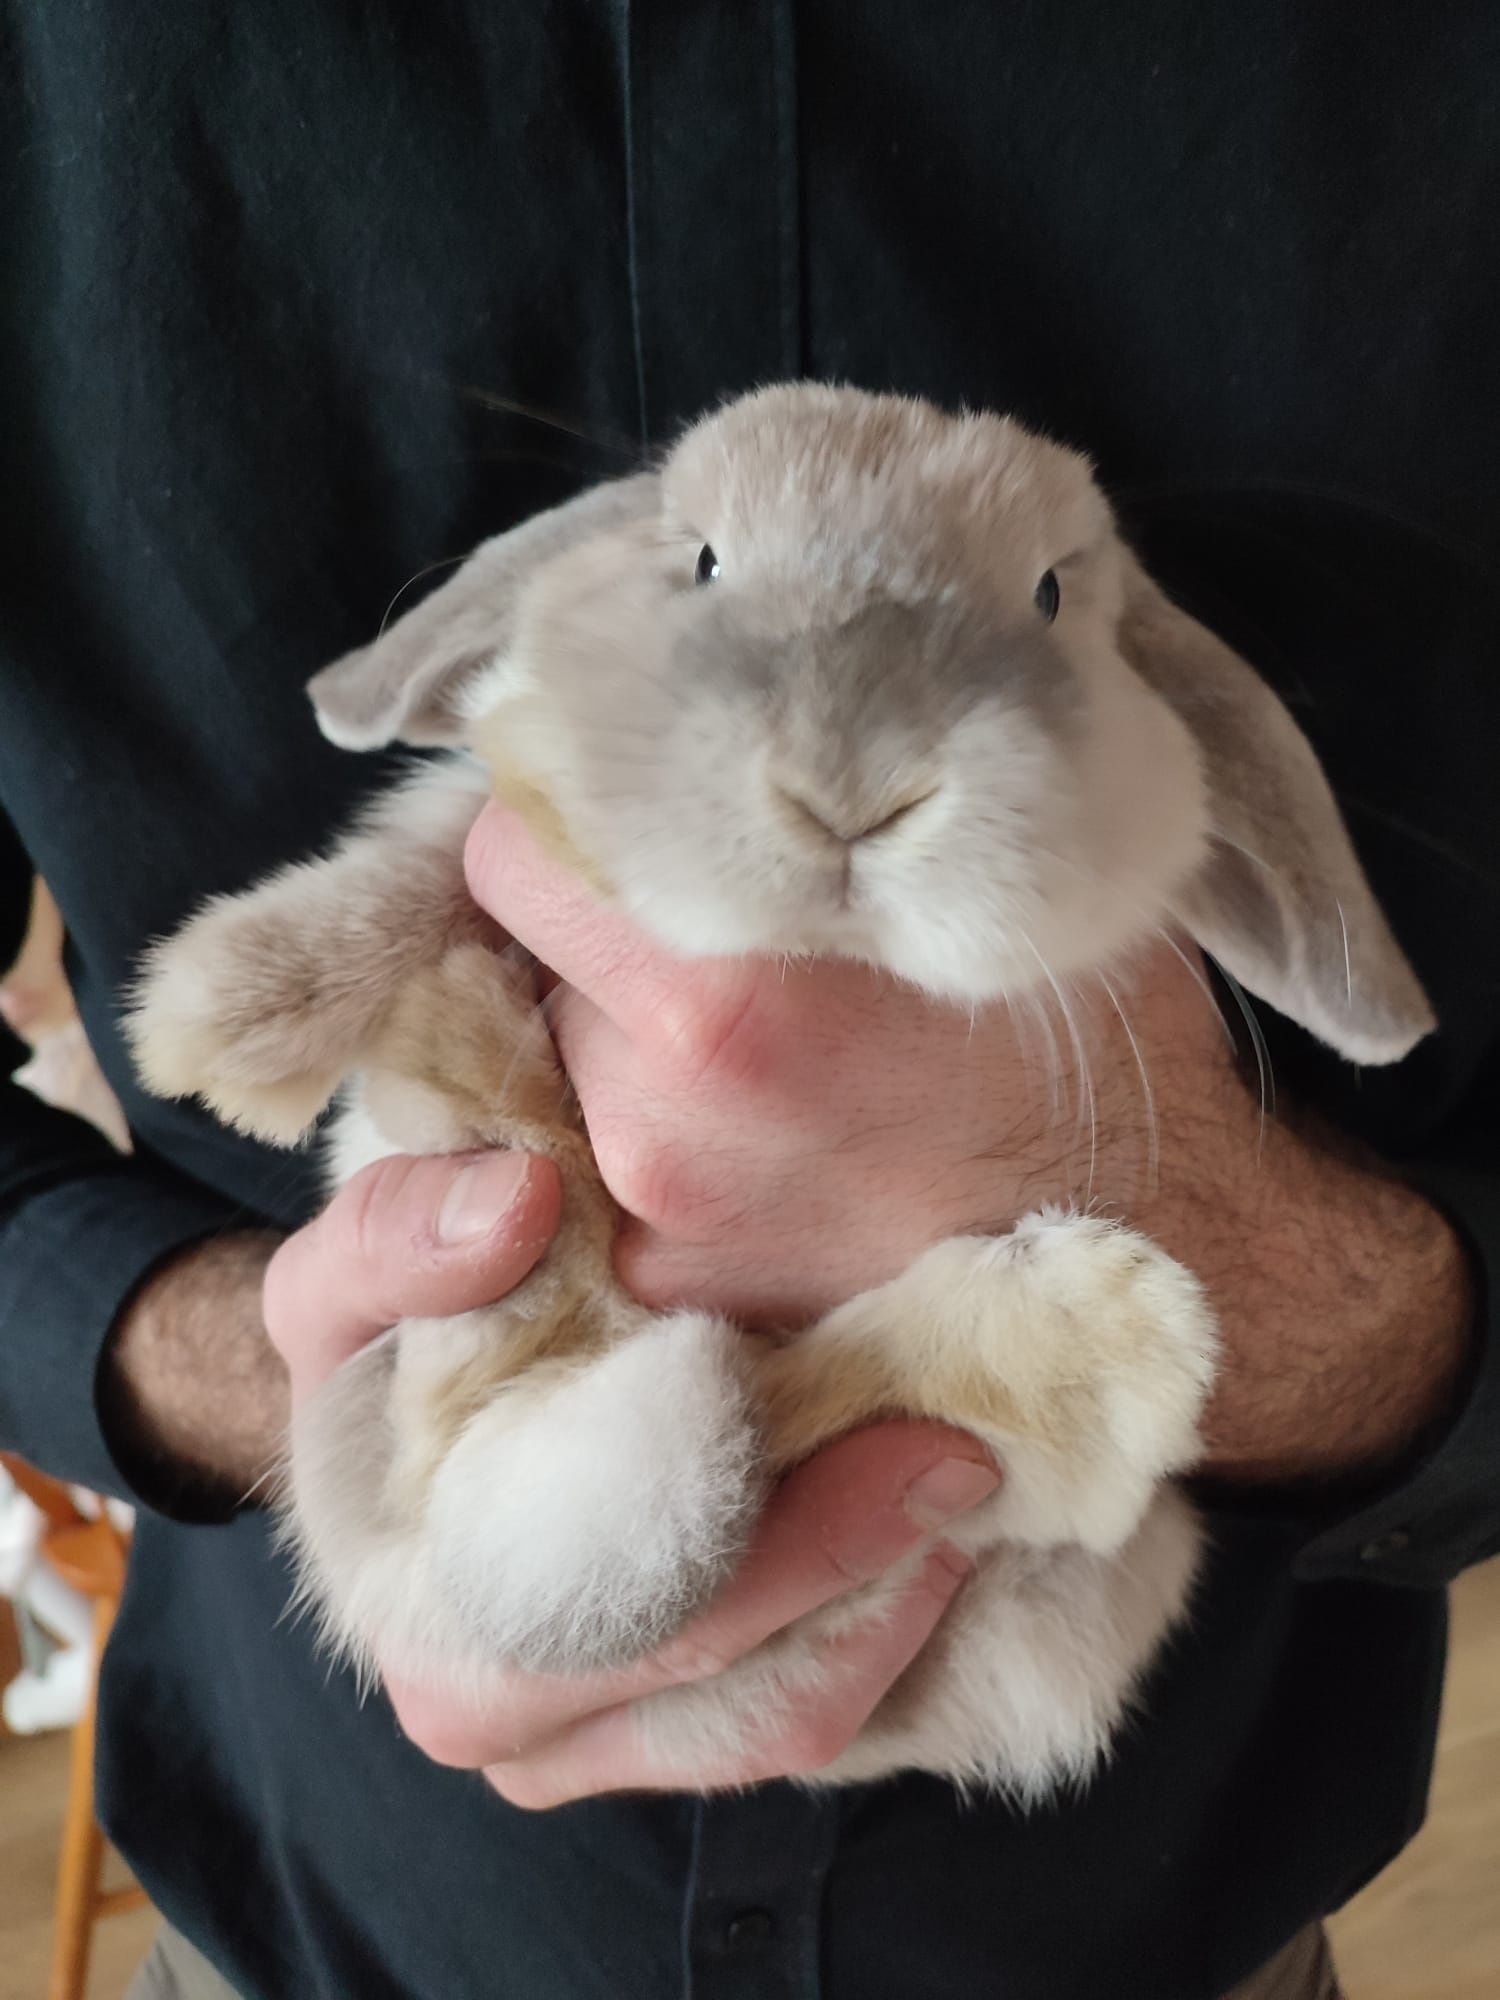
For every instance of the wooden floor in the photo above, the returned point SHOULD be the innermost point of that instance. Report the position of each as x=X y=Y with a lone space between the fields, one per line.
x=33 y=1772
x=1429 y=1929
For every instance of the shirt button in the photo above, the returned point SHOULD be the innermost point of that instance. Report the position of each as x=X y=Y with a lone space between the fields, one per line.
x=748 y=1929
x=1385 y=1546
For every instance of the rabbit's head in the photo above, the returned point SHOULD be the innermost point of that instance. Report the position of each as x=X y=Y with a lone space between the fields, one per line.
x=849 y=675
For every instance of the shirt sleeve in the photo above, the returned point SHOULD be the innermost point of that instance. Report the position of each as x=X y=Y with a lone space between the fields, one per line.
x=81 y=1226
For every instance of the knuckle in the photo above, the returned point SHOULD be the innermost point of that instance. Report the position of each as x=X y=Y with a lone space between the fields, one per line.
x=366 y=1209
x=678 y=1191
x=704 y=1032
x=945 y=1572
x=812 y=1742
x=279 y=1290
x=668 y=1186
x=442 y=1729
x=846 y=1555
x=527 y=1789
x=844 y=1570
x=645 y=1268
x=443 y=1739
x=636 y=1170
x=686 y=1658
x=452 y=1750
x=484 y=854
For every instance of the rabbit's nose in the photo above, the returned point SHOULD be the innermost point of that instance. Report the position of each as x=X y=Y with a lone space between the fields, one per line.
x=845 y=824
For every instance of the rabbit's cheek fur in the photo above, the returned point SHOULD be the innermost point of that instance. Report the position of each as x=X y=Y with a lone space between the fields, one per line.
x=941 y=896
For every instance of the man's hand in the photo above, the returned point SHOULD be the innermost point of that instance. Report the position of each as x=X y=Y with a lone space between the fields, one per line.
x=782 y=1137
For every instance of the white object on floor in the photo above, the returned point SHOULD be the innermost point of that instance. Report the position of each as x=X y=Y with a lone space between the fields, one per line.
x=52 y=1698
x=54 y=1620
x=62 y=1071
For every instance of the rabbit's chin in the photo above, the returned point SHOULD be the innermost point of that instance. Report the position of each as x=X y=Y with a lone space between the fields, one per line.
x=940 y=958
x=968 y=954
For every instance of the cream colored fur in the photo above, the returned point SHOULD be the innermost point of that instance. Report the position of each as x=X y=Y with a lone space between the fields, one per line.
x=864 y=739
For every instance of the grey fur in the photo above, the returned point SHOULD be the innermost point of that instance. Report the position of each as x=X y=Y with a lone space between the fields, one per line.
x=407 y=683
x=1281 y=901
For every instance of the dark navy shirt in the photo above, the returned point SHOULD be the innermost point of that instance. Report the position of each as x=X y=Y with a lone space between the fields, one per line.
x=270 y=278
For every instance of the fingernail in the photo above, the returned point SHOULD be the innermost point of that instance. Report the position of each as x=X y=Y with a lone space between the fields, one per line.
x=481 y=1195
x=950 y=1487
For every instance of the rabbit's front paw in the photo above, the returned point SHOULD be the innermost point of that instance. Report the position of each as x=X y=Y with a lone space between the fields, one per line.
x=1078 y=1350
x=227 y=1010
x=1098 y=1354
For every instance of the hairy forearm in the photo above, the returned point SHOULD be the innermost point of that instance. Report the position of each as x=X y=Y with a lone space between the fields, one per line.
x=1346 y=1303
x=193 y=1394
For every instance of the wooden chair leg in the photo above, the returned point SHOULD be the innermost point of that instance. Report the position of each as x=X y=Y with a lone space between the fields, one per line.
x=82 y=1844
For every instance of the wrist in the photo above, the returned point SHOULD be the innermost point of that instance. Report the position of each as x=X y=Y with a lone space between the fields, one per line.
x=192 y=1396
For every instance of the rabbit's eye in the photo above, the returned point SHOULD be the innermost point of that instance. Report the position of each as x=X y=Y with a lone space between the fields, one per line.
x=1048 y=596
x=708 y=566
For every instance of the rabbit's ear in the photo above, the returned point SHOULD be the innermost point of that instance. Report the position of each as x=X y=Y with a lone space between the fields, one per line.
x=407 y=685
x=1281 y=902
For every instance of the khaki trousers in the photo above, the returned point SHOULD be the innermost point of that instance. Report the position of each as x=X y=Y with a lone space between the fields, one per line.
x=176 y=1971
x=1304 y=1971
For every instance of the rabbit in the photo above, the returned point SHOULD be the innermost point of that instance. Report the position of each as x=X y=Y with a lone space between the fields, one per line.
x=847 y=675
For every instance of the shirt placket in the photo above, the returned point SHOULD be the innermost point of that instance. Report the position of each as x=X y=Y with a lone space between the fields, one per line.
x=714 y=214
x=752 y=1916
x=715 y=270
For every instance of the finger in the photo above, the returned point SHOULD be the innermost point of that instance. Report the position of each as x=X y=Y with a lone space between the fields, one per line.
x=598 y=1055
x=633 y=1108
x=407 y=1238
x=590 y=946
x=846 y=1516
x=704 y=1273
x=609 y=1752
